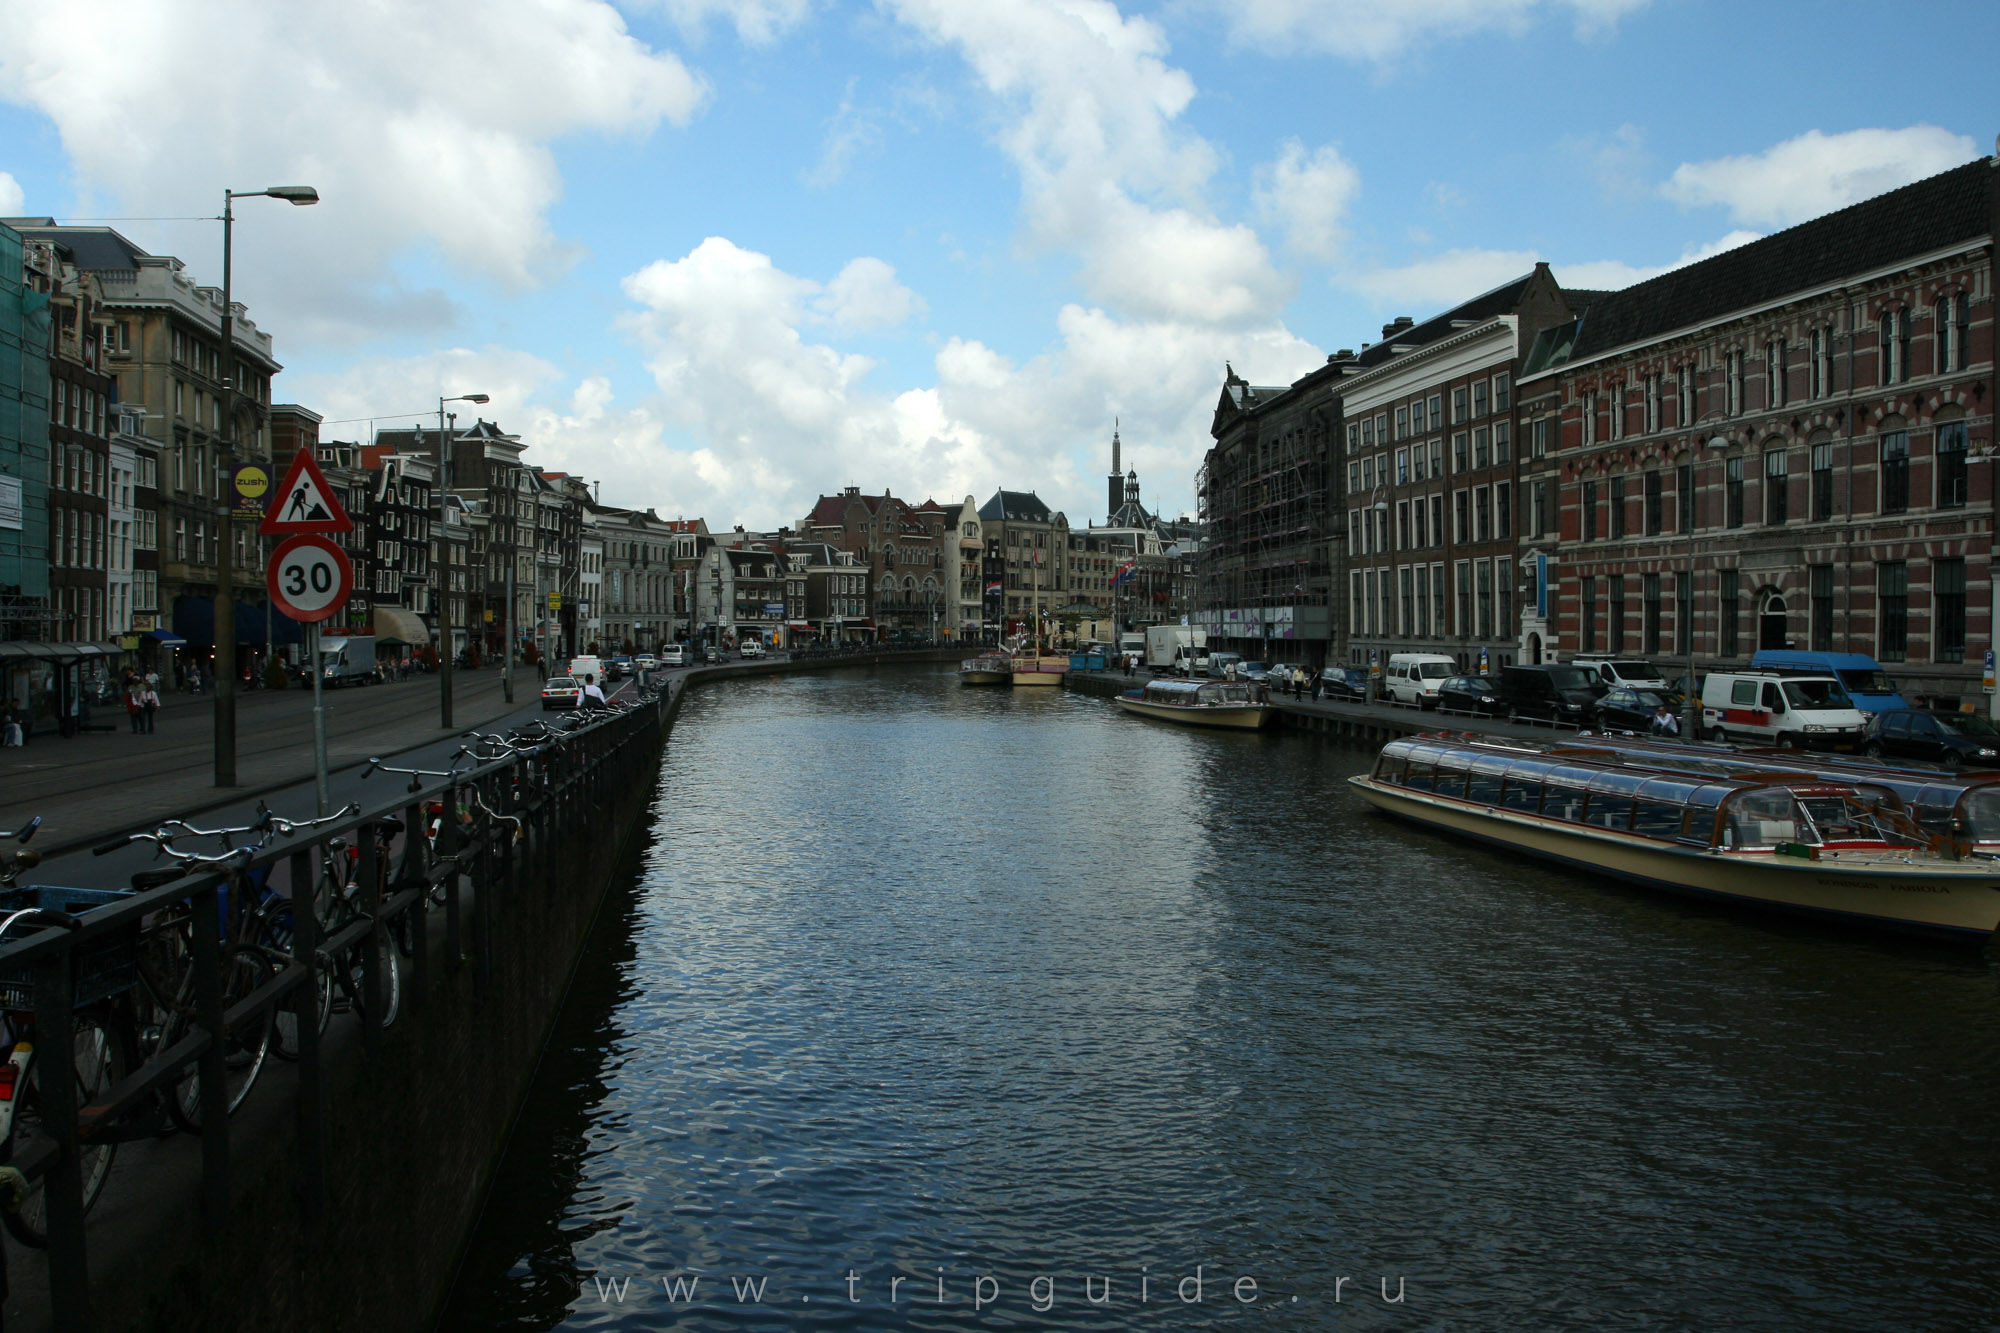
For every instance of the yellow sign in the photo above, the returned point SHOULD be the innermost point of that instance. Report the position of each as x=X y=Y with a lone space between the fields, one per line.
x=489 y=617
x=250 y=482
x=555 y=601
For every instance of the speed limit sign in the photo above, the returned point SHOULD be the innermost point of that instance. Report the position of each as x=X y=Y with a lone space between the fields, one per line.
x=309 y=577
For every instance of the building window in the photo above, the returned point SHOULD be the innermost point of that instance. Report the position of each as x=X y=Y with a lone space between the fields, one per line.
x=1895 y=331
x=1684 y=515
x=1437 y=519
x=1482 y=573
x=1776 y=496
x=1822 y=481
x=1616 y=488
x=1774 y=373
x=1952 y=486
x=1650 y=591
x=1617 y=422
x=1420 y=531
x=1457 y=405
x=1437 y=599
x=1503 y=579
x=1502 y=392
x=1588 y=599
x=1654 y=489
x=1590 y=511
x=1461 y=527
x=1463 y=580
x=1503 y=509
x=1735 y=369
x=1948 y=617
x=1407 y=623
x=1541 y=435
x=1732 y=491
x=1589 y=422
x=1356 y=601
x=1892 y=600
x=1819 y=363
x=1482 y=516
x=1388 y=602
x=1652 y=402
x=1729 y=598
x=1502 y=442
x=1381 y=428
x=1402 y=421
x=1459 y=456
x=1617 y=627
x=1820 y=580
x=1895 y=472
x=1437 y=411
x=1683 y=614
x=1478 y=398
x=1684 y=394
x=1955 y=325
x=1481 y=454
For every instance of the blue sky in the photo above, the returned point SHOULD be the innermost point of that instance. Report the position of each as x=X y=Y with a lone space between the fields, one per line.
x=723 y=257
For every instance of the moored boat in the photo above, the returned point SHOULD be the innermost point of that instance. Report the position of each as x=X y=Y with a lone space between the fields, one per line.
x=1039 y=668
x=1794 y=841
x=1200 y=703
x=986 y=669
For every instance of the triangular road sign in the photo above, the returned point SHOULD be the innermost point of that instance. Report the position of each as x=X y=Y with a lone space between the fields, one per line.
x=304 y=502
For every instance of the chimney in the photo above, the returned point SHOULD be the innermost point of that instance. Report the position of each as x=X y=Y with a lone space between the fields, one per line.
x=1401 y=322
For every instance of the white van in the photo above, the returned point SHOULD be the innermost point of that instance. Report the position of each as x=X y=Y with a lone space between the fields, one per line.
x=1413 y=678
x=588 y=666
x=1772 y=708
x=1631 y=673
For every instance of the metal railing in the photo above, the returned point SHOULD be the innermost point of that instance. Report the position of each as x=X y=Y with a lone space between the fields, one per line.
x=530 y=802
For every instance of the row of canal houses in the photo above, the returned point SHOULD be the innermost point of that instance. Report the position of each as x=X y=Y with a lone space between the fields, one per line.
x=1784 y=445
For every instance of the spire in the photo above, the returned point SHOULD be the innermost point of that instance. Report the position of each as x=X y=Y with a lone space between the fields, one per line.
x=1114 y=446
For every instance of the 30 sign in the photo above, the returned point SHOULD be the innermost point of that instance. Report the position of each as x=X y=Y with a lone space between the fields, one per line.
x=309 y=578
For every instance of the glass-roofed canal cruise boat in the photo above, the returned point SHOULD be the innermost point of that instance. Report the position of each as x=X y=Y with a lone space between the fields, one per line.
x=986 y=669
x=1201 y=703
x=1844 y=848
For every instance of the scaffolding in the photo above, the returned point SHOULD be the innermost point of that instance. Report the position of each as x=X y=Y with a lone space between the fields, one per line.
x=1264 y=499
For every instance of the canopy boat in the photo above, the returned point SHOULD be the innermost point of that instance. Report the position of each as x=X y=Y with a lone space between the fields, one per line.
x=986 y=669
x=1201 y=703
x=1843 y=848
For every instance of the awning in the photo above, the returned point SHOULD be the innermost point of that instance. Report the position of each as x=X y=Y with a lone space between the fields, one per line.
x=394 y=624
x=166 y=638
x=21 y=650
x=194 y=619
x=798 y=624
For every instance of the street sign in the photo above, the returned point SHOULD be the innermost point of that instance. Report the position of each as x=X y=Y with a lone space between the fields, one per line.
x=304 y=503
x=249 y=490
x=309 y=578
x=555 y=601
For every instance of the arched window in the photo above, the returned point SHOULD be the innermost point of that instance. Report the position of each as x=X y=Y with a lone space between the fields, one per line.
x=1772 y=622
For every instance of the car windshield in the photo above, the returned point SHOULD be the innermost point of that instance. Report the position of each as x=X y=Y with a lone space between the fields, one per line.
x=1635 y=671
x=1569 y=678
x=1436 y=670
x=1866 y=681
x=1970 y=724
x=1650 y=698
x=1812 y=694
x=561 y=682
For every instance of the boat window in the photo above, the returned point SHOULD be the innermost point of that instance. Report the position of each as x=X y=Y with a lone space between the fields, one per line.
x=1701 y=810
x=1979 y=814
x=1563 y=802
x=1389 y=767
x=1618 y=783
x=1658 y=819
x=1483 y=788
x=1609 y=810
x=1451 y=776
x=1422 y=774
x=1762 y=817
x=1523 y=794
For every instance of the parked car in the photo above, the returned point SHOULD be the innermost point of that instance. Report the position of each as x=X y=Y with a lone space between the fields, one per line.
x=1412 y=678
x=1952 y=739
x=1219 y=664
x=714 y=656
x=1553 y=692
x=1252 y=670
x=1630 y=672
x=1477 y=695
x=1625 y=709
x=751 y=648
x=674 y=655
x=1862 y=676
x=562 y=692
x=1344 y=682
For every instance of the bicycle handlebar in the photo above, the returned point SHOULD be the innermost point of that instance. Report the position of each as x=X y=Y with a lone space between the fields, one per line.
x=25 y=832
x=36 y=916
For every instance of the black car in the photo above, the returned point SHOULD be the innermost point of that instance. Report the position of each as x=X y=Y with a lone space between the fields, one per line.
x=1954 y=739
x=1553 y=693
x=1478 y=695
x=1344 y=682
x=1627 y=709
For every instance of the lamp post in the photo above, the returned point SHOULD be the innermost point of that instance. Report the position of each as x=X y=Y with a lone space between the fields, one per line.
x=441 y=560
x=225 y=564
x=1691 y=701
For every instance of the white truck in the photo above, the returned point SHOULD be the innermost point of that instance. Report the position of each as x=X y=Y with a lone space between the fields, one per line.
x=1181 y=649
x=348 y=660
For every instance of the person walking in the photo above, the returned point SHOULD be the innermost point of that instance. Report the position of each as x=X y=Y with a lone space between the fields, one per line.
x=12 y=736
x=149 y=704
x=132 y=705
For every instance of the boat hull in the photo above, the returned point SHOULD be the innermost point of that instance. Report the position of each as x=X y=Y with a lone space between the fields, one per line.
x=1038 y=671
x=1229 y=717
x=1959 y=902
x=984 y=677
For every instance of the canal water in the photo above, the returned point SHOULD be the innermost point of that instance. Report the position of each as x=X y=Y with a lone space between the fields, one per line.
x=1087 y=1022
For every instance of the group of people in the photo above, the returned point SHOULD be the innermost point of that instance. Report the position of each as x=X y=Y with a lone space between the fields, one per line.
x=142 y=700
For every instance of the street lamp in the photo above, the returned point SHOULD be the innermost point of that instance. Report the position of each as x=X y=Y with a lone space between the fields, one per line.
x=225 y=565
x=441 y=562
x=1690 y=702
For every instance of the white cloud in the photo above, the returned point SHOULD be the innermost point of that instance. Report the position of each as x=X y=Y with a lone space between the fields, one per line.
x=13 y=199
x=1308 y=195
x=1106 y=170
x=1370 y=30
x=865 y=295
x=1817 y=173
x=1615 y=274
x=422 y=123
x=758 y=22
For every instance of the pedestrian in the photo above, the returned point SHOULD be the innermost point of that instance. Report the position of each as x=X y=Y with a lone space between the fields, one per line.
x=593 y=697
x=132 y=705
x=11 y=735
x=149 y=704
x=1316 y=686
x=1664 y=721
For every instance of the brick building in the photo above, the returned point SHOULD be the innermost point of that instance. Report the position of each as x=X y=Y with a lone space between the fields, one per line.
x=1779 y=446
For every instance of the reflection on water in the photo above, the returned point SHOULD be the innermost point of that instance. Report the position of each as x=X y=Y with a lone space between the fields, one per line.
x=1079 y=1018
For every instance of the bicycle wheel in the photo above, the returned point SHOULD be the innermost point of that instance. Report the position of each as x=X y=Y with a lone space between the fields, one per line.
x=99 y=1063
x=346 y=967
x=277 y=944
x=244 y=1044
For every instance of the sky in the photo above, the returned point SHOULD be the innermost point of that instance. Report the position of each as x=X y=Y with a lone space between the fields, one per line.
x=725 y=257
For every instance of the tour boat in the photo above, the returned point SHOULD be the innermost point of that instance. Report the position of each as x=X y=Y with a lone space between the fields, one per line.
x=1201 y=703
x=986 y=669
x=1845 y=848
x=1039 y=668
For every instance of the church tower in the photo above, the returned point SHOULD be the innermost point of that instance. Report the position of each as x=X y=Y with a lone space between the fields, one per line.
x=1116 y=488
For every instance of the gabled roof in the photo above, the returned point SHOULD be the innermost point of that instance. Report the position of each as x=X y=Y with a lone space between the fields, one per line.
x=90 y=248
x=1949 y=209
x=1500 y=301
x=1015 y=507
